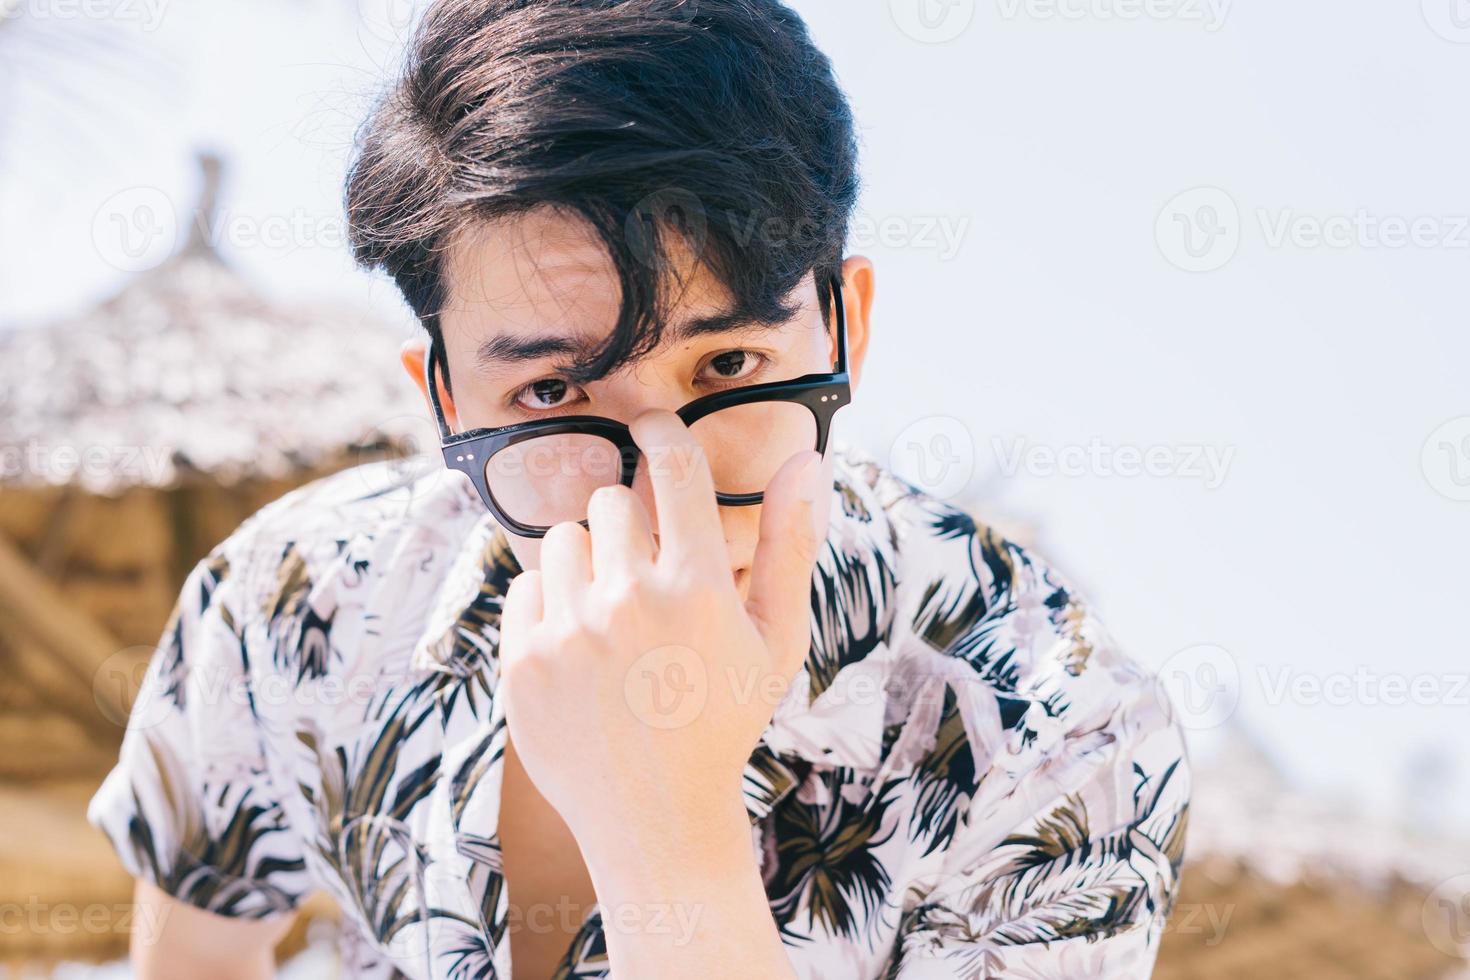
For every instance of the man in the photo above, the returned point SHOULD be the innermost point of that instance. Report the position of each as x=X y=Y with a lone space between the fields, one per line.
x=650 y=681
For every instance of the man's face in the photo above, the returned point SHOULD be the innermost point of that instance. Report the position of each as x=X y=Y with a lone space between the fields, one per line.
x=523 y=284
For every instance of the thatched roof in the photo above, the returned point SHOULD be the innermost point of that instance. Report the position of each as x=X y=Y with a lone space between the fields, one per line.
x=1287 y=883
x=190 y=371
x=1242 y=808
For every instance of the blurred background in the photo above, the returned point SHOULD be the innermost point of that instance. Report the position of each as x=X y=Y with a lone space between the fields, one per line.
x=1174 y=291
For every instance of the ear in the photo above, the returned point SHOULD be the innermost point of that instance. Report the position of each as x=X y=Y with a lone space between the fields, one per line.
x=857 y=296
x=412 y=355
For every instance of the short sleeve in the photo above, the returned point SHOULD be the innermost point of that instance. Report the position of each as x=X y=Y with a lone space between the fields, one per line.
x=190 y=805
x=1065 y=862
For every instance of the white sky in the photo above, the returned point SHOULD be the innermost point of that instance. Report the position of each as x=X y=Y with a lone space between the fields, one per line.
x=1047 y=139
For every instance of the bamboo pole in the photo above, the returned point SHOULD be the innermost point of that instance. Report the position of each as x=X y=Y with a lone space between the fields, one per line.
x=50 y=687
x=79 y=644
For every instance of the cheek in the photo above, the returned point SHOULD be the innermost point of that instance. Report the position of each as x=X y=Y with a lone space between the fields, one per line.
x=742 y=530
x=526 y=550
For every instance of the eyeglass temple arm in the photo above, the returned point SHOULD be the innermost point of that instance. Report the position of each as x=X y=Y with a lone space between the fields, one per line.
x=429 y=382
x=841 y=323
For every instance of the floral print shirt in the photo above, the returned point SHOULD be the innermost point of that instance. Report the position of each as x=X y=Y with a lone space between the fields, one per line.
x=966 y=779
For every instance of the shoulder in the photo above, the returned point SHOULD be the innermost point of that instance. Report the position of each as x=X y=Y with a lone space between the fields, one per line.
x=1021 y=649
x=961 y=588
x=378 y=499
x=316 y=572
x=1048 y=769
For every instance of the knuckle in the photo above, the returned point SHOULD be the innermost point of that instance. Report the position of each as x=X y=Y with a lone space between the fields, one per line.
x=520 y=665
x=568 y=631
x=565 y=533
x=609 y=498
x=613 y=492
x=619 y=593
x=688 y=590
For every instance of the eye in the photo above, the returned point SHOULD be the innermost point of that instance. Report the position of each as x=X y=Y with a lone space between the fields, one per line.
x=544 y=394
x=736 y=365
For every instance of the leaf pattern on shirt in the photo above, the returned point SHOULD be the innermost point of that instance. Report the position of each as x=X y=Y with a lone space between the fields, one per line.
x=974 y=782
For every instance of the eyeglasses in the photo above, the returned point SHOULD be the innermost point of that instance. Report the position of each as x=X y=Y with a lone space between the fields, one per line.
x=534 y=475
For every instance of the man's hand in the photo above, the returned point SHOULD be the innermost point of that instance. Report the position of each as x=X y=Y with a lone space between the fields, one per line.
x=637 y=683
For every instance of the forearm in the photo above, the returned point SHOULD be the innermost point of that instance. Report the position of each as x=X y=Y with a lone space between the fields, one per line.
x=172 y=940
x=693 y=908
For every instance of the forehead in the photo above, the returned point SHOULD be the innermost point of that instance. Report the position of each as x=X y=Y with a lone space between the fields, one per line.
x=544 y=270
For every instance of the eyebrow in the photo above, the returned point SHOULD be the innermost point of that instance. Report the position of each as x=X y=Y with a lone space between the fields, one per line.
x=508 y=350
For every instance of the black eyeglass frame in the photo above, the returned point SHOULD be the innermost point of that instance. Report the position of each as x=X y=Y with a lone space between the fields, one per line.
x=469 y=452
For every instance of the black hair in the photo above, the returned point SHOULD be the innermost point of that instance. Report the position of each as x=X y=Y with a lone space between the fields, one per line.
x=715 y=120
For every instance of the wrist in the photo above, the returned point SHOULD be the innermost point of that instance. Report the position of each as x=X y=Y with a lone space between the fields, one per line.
x=699 y=910
x=662 y=856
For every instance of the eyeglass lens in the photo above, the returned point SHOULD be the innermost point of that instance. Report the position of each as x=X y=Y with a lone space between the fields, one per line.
x=550 y=479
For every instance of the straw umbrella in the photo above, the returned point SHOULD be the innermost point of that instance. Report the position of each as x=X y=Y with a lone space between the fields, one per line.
x=137 y=435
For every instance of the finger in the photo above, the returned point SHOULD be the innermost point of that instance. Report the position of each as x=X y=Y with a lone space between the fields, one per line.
x=689 y=531
x=519 y=614
x=566 y=565
x=792 y=528
x=622 y=540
